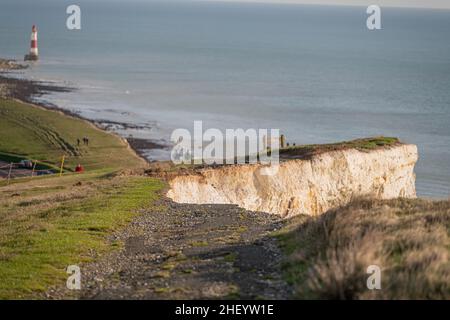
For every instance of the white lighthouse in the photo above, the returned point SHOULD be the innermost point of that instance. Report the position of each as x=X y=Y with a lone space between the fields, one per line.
x=34 y=53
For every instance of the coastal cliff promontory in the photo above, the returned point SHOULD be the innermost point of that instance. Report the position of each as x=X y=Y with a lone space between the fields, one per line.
x=310 y=185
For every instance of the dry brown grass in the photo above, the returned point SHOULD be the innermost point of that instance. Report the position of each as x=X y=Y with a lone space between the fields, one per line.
x=408 y=239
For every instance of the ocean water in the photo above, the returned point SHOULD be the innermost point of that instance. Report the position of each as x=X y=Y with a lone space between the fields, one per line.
x=314 y=72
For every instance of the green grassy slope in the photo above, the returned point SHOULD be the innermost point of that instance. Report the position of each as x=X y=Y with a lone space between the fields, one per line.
x=47 y=225
x=44 y=135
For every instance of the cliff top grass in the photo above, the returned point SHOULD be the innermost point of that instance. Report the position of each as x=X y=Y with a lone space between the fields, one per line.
x=34 y=133
x=365 y=144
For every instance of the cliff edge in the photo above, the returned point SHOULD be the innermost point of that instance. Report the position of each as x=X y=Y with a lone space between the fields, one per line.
x=304 y=186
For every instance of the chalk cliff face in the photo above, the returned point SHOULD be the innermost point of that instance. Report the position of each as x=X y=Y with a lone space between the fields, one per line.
x=309 y=186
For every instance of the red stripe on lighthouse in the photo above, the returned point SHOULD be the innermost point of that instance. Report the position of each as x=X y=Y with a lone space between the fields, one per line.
x=34 y=44
x=33 y=55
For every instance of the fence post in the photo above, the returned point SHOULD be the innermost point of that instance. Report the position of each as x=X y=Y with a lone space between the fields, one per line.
x=62 y=164
x=10 y=170
x=34 y=167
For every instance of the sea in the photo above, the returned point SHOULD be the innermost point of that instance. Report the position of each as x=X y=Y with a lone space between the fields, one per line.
x=314 y=72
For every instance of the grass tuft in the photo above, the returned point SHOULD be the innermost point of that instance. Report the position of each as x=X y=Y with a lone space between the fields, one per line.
x=408 y=239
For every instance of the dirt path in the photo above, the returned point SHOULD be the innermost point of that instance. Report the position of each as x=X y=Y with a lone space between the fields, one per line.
x=177 y=251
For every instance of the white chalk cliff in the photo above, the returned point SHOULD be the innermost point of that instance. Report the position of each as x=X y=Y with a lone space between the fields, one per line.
x=312 y=186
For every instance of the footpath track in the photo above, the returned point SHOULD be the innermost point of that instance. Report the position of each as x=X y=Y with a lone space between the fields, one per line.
x=183 y=251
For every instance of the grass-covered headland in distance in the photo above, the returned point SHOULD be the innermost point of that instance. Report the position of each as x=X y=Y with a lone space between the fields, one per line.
x=365 y=144
x=34 y=133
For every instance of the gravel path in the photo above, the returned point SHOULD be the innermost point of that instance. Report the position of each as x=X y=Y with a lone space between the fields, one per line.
x=180 y=251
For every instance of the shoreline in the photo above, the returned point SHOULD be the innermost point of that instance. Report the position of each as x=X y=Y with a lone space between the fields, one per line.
x=25 y=91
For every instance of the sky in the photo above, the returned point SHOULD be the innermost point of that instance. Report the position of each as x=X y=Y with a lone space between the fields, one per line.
x=391 y=3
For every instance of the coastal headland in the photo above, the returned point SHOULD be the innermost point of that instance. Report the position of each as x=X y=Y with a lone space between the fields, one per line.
x=115 y=221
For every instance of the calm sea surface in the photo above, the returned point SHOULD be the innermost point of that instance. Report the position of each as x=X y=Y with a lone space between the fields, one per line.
x=314 y=72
